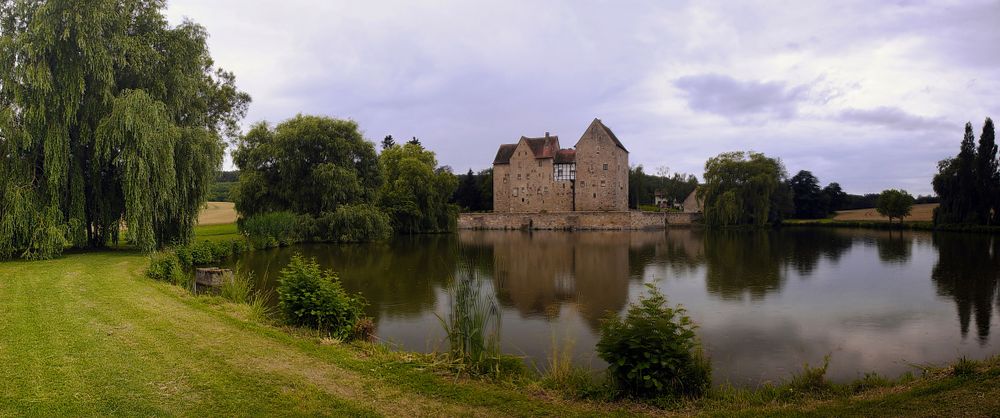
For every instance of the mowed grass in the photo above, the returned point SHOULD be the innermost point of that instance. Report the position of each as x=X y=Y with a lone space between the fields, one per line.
x=920 y=213
x=90 y=335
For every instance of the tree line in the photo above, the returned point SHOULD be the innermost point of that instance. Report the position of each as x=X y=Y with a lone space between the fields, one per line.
x=315 y=178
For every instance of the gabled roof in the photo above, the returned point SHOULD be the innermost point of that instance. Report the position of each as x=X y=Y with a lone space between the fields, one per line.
x=610 y=134
x=544 y=147
x=504 y=154
x=565 y=156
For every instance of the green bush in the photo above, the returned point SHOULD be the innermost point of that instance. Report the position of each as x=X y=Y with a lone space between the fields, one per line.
x=355 y=223
x=166 y=266
x=310 y=297
x=272 y=229
x=654 y=351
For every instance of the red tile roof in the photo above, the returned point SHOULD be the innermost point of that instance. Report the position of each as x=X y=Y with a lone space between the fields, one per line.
x=565 y=156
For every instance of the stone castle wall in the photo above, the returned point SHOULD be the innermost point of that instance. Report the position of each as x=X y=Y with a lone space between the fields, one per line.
x=601 y=173
x=527 y=185
x=576 y=220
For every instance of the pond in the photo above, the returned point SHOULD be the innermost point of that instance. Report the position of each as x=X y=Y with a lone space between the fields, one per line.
x=766 y=301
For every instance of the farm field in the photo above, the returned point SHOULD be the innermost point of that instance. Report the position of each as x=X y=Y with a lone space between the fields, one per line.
x=921 y=213
x=217 y=213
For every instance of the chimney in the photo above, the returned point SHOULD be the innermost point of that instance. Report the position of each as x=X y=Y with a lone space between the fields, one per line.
x=546 y=134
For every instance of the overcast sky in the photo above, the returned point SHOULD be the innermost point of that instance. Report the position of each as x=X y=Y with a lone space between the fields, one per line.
x=865 y=94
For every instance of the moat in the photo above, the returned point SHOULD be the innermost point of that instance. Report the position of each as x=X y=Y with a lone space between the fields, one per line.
x=766 y=302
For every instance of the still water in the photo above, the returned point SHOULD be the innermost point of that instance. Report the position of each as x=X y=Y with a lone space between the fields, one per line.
x=766 y=301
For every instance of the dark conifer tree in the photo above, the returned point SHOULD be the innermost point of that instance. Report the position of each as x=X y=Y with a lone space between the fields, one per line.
x=388 y=142
x=987 y=179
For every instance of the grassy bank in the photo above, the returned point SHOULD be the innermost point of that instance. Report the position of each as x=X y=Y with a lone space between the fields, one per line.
x=89 y=334
x=916 y=225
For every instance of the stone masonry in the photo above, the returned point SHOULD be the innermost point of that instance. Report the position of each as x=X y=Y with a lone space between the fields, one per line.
x=536 y=175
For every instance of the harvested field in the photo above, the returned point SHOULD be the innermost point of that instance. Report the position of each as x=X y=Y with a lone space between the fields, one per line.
x=920 y=213
x=217 y=213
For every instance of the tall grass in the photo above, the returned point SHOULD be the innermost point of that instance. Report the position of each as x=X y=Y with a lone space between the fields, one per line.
x=472 y=325
x=238 y=288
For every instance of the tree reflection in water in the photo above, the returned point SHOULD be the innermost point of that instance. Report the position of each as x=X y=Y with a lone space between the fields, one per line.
x=967 y=270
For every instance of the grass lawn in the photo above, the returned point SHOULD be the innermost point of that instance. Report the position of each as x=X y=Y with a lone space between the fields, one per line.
x=88 y=334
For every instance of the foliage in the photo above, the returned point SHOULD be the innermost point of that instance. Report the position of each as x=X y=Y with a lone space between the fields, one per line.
x=741 y=188
x=238 y=288
x=642 y=187
x=205 y=252
x=475 y=191
x=811 y=379
x=313 y=298
x=809 y=200
x=654 y=351
x=272 y=229
x=836 y=197
x=305 y=165
x=354 y=223
x=349 y=223
x=221 y=191
x=969 y=184
x=109 y=117
x=165 y=266
x=894 y=203
x=473 y=326
x=416 y=192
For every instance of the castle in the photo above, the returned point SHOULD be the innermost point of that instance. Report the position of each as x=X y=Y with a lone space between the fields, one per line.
x=536 y=175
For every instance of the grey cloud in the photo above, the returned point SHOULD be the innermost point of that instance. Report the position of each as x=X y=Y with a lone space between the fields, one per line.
x=894 y=118
x=741 y=100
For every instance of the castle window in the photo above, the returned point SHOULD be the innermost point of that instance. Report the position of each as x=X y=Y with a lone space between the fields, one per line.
x=515 y=192
x=603 y=184
x=518 y=176
x=539 y=163
x=605 y=167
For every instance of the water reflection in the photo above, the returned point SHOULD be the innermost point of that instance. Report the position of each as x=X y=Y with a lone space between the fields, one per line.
x=967 y=270
x=766 y=301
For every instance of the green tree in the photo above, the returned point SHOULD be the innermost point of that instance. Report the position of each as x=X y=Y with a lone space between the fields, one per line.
x=486 y=189
x=388 y=142
x=956 y=183
x=416 y=192
x=808 y=198
x=836 y=196
x=987 y=177
x=894 y=203
x=468 y=194
x=307 y=165
x=742 y=188
x=109 y=117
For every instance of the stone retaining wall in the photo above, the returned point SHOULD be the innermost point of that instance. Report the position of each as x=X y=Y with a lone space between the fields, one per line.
x=575 y=220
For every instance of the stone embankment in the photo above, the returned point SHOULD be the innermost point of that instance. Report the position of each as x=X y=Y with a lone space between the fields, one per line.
x=577 y=220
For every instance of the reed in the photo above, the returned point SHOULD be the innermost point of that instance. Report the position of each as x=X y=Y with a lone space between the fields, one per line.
x=472 y=326
x=239 y=287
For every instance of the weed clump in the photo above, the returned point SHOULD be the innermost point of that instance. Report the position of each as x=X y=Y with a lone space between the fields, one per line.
x=313 y=298
x=653 y=351
x=963 y=367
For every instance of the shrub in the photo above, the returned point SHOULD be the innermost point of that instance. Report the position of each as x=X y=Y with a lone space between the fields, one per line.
x=313 y=298
x=654 y=350
x=364 y=330
x=165 y=266
x=811 y=379
x=272 y=229
x=359 y=223
x=473 y=327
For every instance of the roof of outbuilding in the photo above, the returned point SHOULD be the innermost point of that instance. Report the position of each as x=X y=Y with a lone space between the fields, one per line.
x=544 y=147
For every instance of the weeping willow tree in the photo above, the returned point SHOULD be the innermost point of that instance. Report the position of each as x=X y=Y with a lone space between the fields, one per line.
x=743 y=188
x=112 y=124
